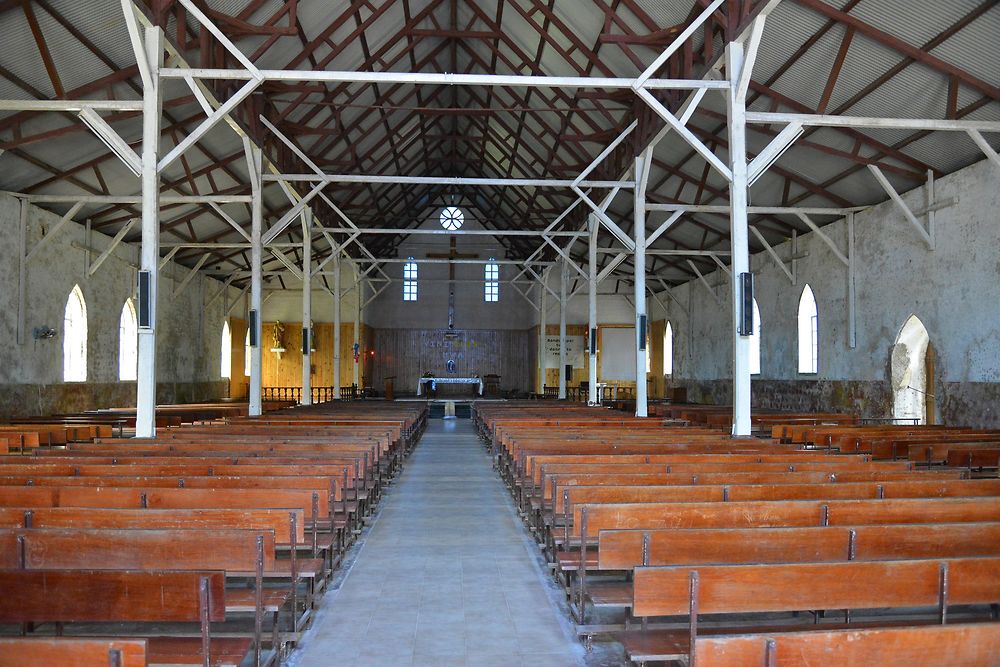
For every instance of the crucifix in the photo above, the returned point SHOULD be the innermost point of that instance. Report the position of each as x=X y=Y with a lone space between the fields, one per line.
x=452 y=255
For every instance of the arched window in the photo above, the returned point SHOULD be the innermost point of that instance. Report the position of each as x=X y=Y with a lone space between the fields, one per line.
x=128 y=343
x=808 y=332
x=246 y=354
x=226 y=353
x=75 y=337
x=410 y=280
x=755 y=341
x=668 y=350
x=492 y=277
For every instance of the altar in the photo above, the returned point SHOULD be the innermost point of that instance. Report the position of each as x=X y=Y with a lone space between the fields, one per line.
x=434 y=381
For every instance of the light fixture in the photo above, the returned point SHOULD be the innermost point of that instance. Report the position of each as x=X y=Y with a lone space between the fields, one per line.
x=44 y=333
x=112 y=140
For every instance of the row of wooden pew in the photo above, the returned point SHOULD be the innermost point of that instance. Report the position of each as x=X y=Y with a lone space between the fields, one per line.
x=686 y=545
x=24 y=433
x=211 y=542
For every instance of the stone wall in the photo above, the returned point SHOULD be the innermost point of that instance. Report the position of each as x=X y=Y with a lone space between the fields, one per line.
x=953 y=289
x=188 y=337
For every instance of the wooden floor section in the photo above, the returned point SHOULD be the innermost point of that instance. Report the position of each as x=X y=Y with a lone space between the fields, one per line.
x=446 y=576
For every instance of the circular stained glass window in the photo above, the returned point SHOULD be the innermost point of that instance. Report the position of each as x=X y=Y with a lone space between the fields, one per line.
x=452 y=218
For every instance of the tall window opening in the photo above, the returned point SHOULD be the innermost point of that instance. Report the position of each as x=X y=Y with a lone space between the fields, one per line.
x=912 y=368
x=75 y=337
x=808 y=332
x=246 y=354
x=492 y=276
x=668 y=350
x=128 y=343
x=226 y=353
x=410 y=280
x=755 y=341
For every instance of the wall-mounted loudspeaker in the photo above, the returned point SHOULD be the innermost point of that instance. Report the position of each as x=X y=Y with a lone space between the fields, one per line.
x=253 y=328
x=305 y=341
x=145 y=313
x=642 y=332
x=593 y=341
x=745 y=321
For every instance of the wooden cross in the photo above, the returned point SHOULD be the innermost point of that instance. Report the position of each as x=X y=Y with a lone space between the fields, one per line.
x=452 y=255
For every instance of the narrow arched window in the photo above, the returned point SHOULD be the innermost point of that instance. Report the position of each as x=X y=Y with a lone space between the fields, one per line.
x=246 y=354
x=668 y=350
x=808 y=332
x=227 y=351
x=410 y=280
x=128 y=343
x=492 y=277
x=75 y=337
x=755 y=341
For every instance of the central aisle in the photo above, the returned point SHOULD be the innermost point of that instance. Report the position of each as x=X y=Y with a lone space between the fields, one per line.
x=446 y=576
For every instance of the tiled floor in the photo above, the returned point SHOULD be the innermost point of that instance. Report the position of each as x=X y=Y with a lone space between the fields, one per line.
x=447 y=575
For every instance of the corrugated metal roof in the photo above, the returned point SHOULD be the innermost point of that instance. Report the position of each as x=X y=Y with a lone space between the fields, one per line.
x=915 y=91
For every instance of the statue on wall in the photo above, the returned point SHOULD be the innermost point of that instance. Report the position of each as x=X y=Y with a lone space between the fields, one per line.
x=278 y=338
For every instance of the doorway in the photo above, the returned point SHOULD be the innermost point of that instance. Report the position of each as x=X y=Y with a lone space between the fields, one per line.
x=912 y=369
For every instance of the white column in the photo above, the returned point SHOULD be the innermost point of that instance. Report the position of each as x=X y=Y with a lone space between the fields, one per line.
x=256 y=281
x=152 y=106
x=336 y=327
x=736 y=109
x=595 y=226
x=306 y=306
x=357 y=328
x=639 y=263
x=563 y=284
x=543 y=307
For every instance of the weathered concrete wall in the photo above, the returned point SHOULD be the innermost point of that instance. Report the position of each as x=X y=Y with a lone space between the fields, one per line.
x=954 y=290
x=189 y=332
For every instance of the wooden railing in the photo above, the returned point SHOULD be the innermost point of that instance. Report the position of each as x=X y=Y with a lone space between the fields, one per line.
x=319 y=394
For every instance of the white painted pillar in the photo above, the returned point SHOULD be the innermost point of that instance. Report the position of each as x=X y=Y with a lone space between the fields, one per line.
x=149 y=259
x=639 y=263
x=736 y=108
x=595 y=226
x=543 y=308
x=336 y=327
x=256 y=279
x=563 y=284
x=306 y=307
x=357 y=328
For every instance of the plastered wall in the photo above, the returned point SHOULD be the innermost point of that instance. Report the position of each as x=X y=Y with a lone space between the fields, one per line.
x=954 y=290
x=189 y=331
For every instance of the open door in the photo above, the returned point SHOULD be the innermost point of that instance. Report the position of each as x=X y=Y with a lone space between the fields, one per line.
x=912 y=368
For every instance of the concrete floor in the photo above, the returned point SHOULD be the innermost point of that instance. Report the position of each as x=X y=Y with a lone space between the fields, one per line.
x=446 y=576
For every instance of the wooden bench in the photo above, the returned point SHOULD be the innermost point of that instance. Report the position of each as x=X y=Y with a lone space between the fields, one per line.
x=129 y=597
x=624 y=550
x=72 y=652
x=242 y=554
x=932 y=586
x=922 y=646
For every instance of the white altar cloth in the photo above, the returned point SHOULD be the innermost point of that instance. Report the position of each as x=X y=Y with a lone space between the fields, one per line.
x=449 y=380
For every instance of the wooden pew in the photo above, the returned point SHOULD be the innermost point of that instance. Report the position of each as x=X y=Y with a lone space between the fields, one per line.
x=241 y=554
x=931 y=585
x=627 y=549
x=963 y=645
x=129 y=597
x=72 y=652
